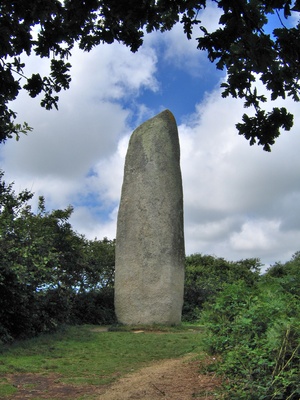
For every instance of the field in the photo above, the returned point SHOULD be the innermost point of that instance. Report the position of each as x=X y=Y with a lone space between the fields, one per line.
x=83 y=362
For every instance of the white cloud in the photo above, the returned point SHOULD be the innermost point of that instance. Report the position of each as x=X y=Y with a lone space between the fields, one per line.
x=55 y=159
x=109 y=173
x=239 y=200
x=255 y=235
x=86 y=223
x=176 y=50
x=113 y=72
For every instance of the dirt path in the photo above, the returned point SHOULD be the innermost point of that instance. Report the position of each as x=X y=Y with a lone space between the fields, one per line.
x=177 y=379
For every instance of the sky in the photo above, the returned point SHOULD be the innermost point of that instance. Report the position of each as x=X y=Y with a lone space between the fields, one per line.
x=239 y=201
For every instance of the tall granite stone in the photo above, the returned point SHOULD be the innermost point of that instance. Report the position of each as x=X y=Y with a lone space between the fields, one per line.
x=149 y=276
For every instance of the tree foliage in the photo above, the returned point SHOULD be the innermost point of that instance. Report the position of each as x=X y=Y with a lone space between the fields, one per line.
x=206 y=275
x=241 y=45
x=48 y=271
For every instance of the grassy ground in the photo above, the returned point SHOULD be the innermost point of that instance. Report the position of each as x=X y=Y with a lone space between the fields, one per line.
x=85 y=355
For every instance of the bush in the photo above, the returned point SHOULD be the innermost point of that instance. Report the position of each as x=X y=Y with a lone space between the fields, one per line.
x=95 y=307
x=205 y=276
x=257 y=332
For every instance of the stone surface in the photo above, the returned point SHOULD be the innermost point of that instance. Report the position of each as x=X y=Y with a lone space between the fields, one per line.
x=149 y=276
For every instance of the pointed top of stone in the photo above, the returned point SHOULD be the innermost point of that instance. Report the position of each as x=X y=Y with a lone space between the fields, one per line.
x=165 y=115
x=155 y=139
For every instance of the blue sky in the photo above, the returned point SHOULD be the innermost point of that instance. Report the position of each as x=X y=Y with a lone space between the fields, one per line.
x=239 y=201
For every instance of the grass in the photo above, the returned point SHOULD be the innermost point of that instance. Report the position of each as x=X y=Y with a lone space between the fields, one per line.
x=6 y=389
x=83 y=355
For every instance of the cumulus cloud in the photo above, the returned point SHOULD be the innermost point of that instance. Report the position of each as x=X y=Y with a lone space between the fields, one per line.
x=176 y=50
x=239 y=200
x=55 y=159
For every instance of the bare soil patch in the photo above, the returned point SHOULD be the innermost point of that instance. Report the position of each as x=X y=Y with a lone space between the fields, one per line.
x=177 y=379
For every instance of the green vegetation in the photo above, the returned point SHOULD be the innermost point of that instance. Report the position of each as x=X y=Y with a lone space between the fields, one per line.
x=205 y=277
x=6 y=389
x=50 y=276
x=256 y=330
x=85 y=355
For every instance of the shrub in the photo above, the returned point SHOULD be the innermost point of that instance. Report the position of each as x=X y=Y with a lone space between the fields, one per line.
x=205 y=276
x=95 y=307
x=257 y=332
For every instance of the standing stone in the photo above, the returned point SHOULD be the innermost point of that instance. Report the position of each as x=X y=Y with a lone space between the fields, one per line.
x=149 y=276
